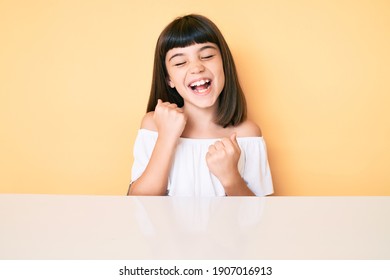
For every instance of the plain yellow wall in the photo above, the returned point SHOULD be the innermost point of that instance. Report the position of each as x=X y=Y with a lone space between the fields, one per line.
x=75 y=78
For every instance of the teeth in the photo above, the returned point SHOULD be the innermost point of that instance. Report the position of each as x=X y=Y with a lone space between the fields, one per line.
x=199 y=83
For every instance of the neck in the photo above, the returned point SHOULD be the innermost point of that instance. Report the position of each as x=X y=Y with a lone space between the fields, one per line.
x=200 y=123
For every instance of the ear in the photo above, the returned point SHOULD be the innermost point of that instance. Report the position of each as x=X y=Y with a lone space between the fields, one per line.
x=170 y=83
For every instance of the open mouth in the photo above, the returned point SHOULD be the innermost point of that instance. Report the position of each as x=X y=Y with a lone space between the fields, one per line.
x=200 y=86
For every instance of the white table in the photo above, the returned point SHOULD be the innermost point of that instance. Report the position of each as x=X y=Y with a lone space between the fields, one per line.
x=113 y=227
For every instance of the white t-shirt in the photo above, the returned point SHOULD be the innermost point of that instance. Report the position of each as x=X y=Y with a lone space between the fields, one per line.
x=190 y=175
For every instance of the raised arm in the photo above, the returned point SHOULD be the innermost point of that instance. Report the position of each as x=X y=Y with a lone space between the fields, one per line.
x=223 y=156
x=169 y=121
x=222 y=159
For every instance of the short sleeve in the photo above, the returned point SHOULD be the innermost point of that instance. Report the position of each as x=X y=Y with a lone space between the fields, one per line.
x=257 y=173
x=143 y=148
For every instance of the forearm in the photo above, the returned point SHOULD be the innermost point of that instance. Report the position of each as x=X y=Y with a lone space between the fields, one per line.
x=236 y=186
x=154 y=180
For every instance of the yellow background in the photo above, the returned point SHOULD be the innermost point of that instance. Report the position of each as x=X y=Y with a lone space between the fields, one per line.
x=75 y=78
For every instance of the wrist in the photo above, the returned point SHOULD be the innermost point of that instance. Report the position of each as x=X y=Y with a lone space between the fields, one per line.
x=167 y=139
x=235 y=185
x=230 y=180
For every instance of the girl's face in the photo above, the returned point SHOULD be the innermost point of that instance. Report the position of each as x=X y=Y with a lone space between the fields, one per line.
x=197 y=74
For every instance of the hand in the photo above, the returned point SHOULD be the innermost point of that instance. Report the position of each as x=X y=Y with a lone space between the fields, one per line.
x=170 y=120
x=222 y=159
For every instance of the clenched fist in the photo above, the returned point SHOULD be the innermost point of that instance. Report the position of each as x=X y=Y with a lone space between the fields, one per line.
x=170 y=120
x=222 y=159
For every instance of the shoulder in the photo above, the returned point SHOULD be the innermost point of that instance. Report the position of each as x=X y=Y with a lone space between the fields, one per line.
x=148 y=122
x=248 y=128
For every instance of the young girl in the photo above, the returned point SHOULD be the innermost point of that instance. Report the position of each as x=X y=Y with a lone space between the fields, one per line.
x=195 y=139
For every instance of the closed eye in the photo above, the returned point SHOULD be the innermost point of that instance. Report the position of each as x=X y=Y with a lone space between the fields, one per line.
x=179 y=64
x=207 y=56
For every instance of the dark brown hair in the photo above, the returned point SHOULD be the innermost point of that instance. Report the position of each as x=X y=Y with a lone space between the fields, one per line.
x=183 y=32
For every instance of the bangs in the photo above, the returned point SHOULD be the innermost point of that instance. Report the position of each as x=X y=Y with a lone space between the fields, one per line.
x=185 y=32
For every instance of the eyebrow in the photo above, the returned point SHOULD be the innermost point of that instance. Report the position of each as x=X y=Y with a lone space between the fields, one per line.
x=201 y=49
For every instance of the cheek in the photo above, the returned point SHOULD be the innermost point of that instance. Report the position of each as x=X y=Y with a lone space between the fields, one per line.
x=175 y=77
x=221 y=78
x=221 y=73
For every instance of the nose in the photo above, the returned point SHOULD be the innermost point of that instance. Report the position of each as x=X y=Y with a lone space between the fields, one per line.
x=196 y=67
